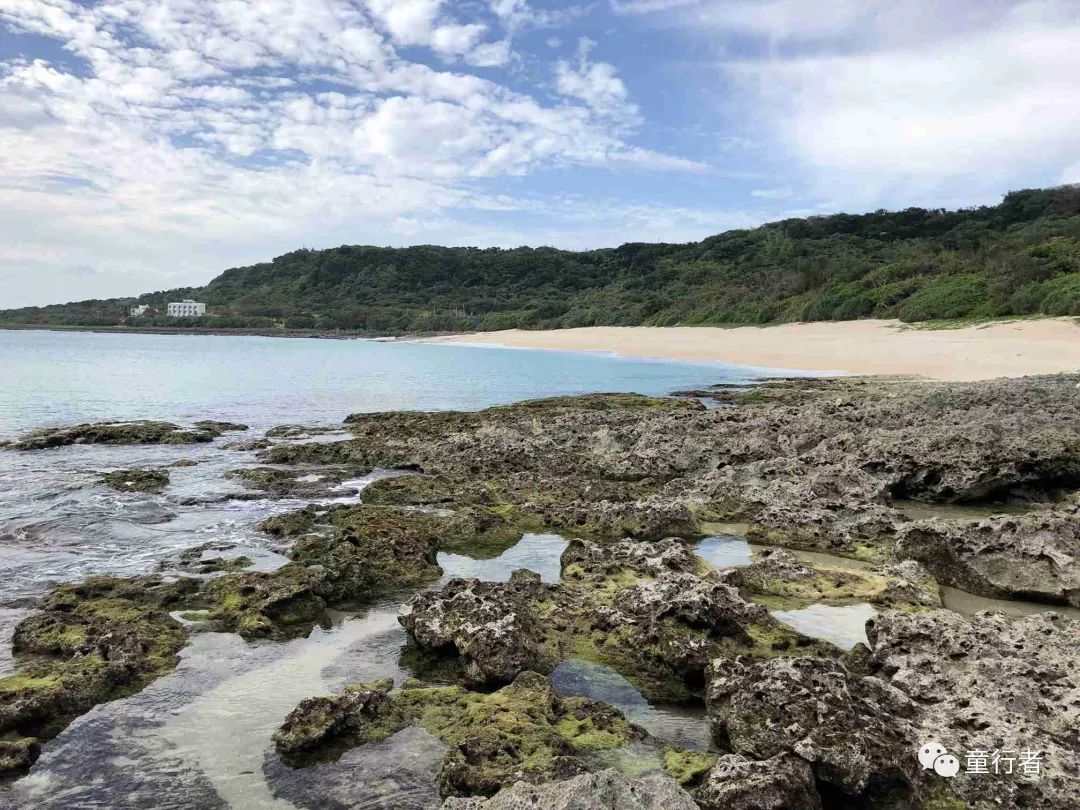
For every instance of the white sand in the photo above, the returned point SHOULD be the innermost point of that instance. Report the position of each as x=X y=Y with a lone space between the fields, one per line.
x=1004 y=349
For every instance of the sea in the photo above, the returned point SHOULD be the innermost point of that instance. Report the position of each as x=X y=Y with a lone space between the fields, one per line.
x=199 y=737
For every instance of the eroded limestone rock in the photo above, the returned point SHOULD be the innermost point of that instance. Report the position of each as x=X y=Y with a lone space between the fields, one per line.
x=633 y=605
x=778 y=578
x=494 y=626
x=1035 y=556
x=781 y=782
x=856 y=732
x=993 y=682
x=606 y=790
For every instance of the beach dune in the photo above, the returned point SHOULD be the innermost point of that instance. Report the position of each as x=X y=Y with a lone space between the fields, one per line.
x=999 y=349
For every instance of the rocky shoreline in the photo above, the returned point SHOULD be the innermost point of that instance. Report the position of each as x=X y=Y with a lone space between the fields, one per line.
x=630 y=481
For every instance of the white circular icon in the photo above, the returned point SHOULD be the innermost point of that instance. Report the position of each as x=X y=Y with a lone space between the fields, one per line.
x=947 y=765
x=929 y=752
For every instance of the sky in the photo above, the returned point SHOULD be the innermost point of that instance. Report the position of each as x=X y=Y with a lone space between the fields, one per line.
x=151 y=144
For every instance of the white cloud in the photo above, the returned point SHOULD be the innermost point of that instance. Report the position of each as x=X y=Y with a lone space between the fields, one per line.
x=490 y=54
x=937 y=102
x=518 y=14
x=425 y=23
x=456 y=39
x=782 y=193
x=191 y=135
x=595 y=83
x=649 y=6
x=409 y=22
x=997 y=104
x=773 y=18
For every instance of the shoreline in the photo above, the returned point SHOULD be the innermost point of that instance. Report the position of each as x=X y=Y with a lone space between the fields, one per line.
x=871 y=347
x=201 y=330
x=980 y=351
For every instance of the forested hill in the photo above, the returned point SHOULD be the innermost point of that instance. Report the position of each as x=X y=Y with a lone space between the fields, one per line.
x=1017 y=258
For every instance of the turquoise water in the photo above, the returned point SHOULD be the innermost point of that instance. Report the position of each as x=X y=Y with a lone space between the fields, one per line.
x=200 y=736
x=53 y=378
x=58 y=524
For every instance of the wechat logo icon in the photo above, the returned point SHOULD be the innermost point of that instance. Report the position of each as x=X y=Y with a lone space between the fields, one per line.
x=933 y=756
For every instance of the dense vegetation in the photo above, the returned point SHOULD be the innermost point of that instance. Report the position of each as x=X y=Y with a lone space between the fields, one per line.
x=1021 y=257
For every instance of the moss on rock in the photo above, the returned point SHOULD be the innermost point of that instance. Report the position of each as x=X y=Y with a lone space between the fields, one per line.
x=17 y=754
x=778 y=579
x=651 y=611
x=275 y=482
x=687 y=767
x=257 y=604
x=522 y=732
x=139 y=432
x=150 y=481
x=92 y=641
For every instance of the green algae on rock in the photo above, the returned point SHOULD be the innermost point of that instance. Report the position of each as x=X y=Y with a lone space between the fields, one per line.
x=217 y=427
x=256 y=604
x=149 y=481
x=653 y=611
x=195 y=561
x=90 y=642
x=293 y=483
x=522 y=732
x=344 y=554
x=687 y=767
x=778 y=579
x=17 y=754
x=367 y=550
x=138 y=432
x=805 y=463
x=584 y=507
x=811 y=464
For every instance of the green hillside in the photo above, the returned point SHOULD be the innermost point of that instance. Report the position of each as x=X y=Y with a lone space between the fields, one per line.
x=1021 y=257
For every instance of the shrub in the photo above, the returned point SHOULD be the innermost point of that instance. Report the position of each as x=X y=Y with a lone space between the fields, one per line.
x=946 y=297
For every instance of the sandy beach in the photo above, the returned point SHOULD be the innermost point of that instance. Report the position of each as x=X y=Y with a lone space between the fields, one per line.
x=1002 y=349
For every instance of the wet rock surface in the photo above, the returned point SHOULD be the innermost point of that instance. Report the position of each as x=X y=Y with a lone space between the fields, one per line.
x=88 y=643
x=522 y=732
x=815 y=465
x=779 y=578
x=151 y=481
x=299 y=431
x=139 y=432
x=361 y=712
x=205 y=559
x=300 y=484
x=250 y=444
x=806 y=463
x=217 y=427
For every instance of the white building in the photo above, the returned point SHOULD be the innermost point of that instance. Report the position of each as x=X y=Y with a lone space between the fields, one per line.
x=186 y=309
x=136 y=311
